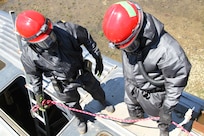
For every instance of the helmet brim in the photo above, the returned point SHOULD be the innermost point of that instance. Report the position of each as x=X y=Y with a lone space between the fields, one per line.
x=43 y=36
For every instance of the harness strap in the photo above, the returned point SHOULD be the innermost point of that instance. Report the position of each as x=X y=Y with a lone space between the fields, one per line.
x=155 y=90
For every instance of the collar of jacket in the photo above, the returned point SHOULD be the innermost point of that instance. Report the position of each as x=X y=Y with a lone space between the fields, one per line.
x=152 y=28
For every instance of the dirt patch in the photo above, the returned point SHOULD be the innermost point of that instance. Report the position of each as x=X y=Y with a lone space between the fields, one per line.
x=183 y=19
x=2 y=64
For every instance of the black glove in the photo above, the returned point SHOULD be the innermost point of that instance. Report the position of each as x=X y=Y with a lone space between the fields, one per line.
x=99 y=66
x=39 y=98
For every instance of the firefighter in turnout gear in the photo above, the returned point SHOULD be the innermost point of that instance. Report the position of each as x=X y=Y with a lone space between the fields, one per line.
x=53 y=50
x=155 y=67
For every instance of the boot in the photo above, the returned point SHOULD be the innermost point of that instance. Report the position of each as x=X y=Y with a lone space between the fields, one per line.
x=108 y=107
x=82 y=127
x=163 y=130
x=81 y=122
x=134 y=114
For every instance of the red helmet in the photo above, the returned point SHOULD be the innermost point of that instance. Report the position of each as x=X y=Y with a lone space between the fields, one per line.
x=33 y=26
x=122 y=23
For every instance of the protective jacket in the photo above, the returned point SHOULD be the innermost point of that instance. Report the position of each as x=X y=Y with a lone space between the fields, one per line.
x=163 y=59
x=63 y=60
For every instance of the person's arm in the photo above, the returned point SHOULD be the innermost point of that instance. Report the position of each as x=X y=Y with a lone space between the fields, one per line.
x=85 y=38
x=33 y=77
x=33 y=74
x=176 y=69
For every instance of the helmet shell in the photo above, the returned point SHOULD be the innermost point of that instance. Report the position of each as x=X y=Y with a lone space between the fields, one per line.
x=29 y=23
x=120 y=20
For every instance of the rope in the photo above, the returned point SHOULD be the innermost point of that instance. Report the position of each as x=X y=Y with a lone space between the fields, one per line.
x=50 y=102
x=182 y=128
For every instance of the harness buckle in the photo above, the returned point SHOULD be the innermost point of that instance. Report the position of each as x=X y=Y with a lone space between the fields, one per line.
x=146 y=94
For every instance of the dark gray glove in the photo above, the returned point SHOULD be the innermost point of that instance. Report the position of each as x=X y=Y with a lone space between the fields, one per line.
x=165 y=116
x=99 y=66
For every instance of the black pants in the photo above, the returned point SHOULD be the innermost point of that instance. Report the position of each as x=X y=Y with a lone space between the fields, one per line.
x=72 y=97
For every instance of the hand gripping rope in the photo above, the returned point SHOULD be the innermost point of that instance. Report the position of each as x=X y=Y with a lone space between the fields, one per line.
x=50 y=102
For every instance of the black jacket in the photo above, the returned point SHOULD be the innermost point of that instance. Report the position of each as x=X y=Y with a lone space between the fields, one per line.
x=63 y=60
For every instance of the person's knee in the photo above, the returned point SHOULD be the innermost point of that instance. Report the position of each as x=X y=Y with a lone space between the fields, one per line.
x=72 y=96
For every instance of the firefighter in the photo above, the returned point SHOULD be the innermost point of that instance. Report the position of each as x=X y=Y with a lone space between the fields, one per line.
x=155 y=67
x=54 y=50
